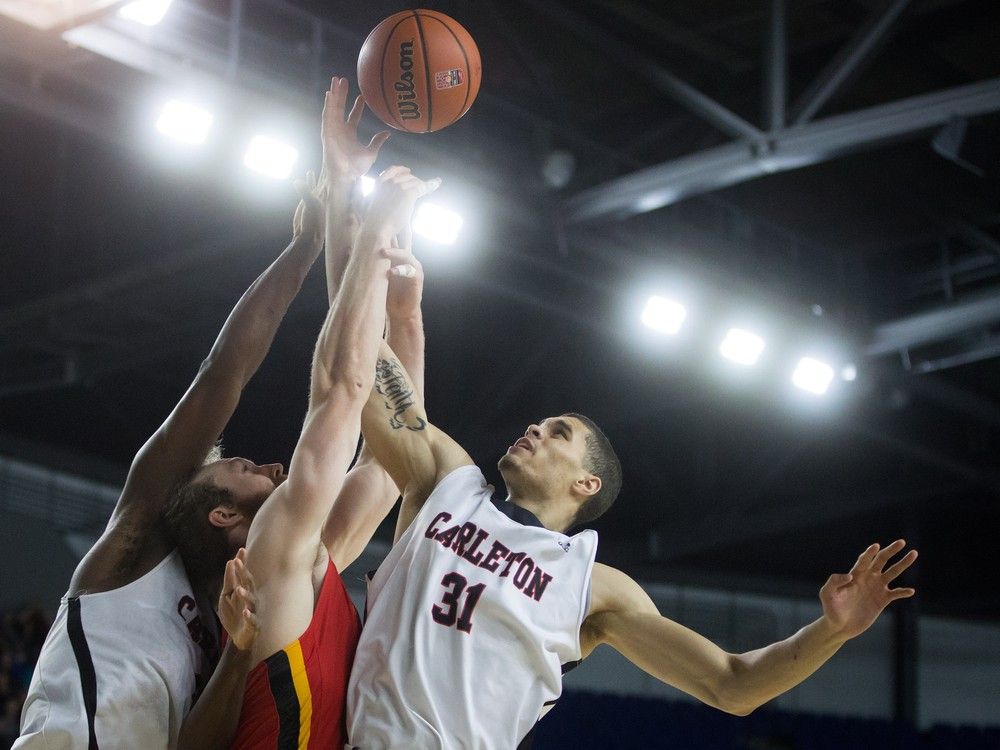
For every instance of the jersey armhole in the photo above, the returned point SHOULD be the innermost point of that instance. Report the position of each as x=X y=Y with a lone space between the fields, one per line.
x=452 y=477
x=585 y=599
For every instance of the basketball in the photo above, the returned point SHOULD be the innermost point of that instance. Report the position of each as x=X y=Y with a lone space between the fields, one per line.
x=419 y=71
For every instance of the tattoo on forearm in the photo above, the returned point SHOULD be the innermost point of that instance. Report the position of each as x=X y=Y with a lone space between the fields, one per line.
x=390 y=383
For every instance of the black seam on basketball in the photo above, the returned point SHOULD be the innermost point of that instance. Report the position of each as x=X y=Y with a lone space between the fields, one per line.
x=468 y=67
x=427 y=73
x=381 y=77
x=85 y=665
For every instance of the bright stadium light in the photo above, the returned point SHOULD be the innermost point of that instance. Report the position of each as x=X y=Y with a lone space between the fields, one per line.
x=812 y=375
x=367 y=185
x=664 y=315
x=146 y=12
x=184 y=122
x=270 y=157
x=742 y=346
x=436 y=223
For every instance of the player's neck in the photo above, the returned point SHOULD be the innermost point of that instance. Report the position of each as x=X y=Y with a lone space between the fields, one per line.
x=553 y=515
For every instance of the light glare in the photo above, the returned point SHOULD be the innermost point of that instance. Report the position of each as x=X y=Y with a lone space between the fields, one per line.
x=664 y=315
x=436 y=223
x=367 y=185
x=146 y=12
x=812 y=375
x=184 y=122
x=849 y=373
x=270 y=157
x=742 y=346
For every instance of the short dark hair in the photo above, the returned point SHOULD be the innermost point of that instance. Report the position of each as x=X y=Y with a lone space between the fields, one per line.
x=203 y=547
x=602 y=461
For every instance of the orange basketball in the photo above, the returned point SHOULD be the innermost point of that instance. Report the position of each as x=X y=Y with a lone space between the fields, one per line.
x=419 y=71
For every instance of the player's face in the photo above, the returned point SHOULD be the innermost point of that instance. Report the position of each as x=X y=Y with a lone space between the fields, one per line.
x=550 y=452
x=249 y=484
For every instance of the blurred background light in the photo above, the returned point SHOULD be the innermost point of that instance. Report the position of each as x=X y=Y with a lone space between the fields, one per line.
x=270 y=157
x=663 y=315
x=184 y=122
x=812 y=375
x=146 y=12
x=742 y=346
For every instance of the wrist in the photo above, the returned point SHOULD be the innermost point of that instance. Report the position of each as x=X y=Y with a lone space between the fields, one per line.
x=831 y=631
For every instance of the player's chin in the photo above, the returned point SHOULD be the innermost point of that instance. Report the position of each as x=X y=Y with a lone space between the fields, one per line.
x=507 y=461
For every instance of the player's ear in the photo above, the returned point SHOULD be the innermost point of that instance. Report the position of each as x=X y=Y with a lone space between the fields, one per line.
x=587 y=485
x=223 y=517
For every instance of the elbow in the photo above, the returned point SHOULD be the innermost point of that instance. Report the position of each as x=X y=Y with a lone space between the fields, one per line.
x=731 y=694
x=738 y=710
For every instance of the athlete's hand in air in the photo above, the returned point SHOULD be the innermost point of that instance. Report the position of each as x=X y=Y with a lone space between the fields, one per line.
x=238 y=603
x=406 y=280
x=852 y=601
x=308 y=219
x=343 y=155
x=395 y=195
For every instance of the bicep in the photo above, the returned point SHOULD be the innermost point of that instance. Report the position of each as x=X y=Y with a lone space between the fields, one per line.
x=629 y=622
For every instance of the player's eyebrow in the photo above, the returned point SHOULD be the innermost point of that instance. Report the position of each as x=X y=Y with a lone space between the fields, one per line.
x=562 y=424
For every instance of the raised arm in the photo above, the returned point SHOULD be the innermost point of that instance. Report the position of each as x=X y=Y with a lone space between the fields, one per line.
x=416 y=454
x=180 y=444
x=342 y=376
x=623 y=616
x=345 y=161
x=369 y=493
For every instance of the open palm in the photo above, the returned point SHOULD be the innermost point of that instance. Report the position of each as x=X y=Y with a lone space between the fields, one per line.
x=238 y=603
x=343 y=154
x=852 y=601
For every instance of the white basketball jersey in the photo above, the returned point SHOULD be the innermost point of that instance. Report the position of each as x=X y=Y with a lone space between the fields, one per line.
x=119 y=669
x=469 y=621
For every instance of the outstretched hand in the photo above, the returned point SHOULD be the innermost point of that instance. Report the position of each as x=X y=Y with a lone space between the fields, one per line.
x=238 y=603
x=394 y=198
x=343 y=155
x=852 y=601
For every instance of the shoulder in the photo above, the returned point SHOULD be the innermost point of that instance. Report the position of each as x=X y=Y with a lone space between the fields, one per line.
x=125 y=552
x=613 y=593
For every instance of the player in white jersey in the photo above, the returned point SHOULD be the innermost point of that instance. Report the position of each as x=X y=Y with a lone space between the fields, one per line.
x=478 y=605
x=134 y=643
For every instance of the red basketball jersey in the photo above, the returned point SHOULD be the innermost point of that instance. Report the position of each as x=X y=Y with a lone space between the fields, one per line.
x=295 y=699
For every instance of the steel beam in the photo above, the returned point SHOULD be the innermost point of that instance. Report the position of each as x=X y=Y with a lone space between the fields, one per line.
x=859 y=49
x=624 y=53
x=792 y=148
x=776 y=65
x=935 y=325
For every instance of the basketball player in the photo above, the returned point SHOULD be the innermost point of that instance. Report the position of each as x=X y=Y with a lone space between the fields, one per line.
x=133 y=643
x=479 y=604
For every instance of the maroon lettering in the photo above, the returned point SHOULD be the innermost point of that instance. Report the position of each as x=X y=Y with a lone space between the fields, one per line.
x=447 y=536
x=469 y=530
x=524 y=570
x=511 y=559
x=497 y=553
x=439 y=518
x=539 y=580
x=470 y=554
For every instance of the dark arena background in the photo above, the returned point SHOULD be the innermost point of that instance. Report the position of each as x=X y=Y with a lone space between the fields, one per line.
x=821 y=174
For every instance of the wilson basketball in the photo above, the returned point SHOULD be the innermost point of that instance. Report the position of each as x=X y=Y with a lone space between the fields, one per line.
x=419 y=71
